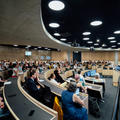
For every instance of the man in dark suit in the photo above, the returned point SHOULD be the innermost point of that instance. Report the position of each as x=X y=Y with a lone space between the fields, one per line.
x=35 y=90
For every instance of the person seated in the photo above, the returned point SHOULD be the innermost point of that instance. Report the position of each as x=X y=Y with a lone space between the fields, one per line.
x=35 y=90
x=97 y=76
x=58 y=77
x=15 y=71
x=52 y=79
x=73 y=107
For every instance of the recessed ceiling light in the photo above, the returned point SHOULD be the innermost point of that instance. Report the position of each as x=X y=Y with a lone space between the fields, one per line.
x=96 y=23
x=15 y=45
x=104 y=45
x=118 y=43
x=86 y=38
x=63 y=39
x=111 y=38
x=29 y=46
x=35 y=48
x=54 y=25
x=56 y=34
x=56 y=5
x=86 y=33
x=96 y=44
x=113 y=46
x=113 y=41
x=90 y=42
x=98 y=40
x=117 y=32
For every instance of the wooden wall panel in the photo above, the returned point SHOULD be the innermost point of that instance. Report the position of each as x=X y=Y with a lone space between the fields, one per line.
x=98 y=56
x=12 y=54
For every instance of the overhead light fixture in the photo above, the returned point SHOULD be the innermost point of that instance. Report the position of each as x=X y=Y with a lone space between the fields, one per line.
x=113 y=41
x=111 y=38
x=117 y=32
x=46 y=48
x=96 y=44
x=86 y=33
x=15 y=45
x=104 y=45
x=113 y=46
x=90 y=42
x=35 y=48
x=63 y=39
x=118 y=43
x=56 y=5
x=56 y=34
x=96 y=23
x=98 y=40
x=86 y=38
x=29 y=46
x=54 y=25
x=39 y=47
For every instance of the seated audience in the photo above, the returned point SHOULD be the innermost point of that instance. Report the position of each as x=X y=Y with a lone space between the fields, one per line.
x=52 y=79
x=73 y=107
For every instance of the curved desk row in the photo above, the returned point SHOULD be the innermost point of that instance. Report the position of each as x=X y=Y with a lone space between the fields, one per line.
x=22 y=108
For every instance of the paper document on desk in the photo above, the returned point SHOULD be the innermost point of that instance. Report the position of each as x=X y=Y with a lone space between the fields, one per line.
x=41 y=80
x=7 y=83
x=89 y=86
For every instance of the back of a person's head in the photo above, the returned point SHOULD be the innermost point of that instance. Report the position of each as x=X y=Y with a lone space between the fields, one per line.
x=79 y=72
x=77 y=77
x=32 y=73
x=51 y=76
x=72 y=87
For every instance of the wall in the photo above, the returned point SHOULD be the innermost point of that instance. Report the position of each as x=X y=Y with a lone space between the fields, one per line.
x=12 y=54
x=99 y=56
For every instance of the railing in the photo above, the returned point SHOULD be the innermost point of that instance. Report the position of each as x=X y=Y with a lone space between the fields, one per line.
x=115 y=114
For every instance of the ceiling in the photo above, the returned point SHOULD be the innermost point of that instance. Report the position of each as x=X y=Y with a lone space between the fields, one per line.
x=20 y=24
x=76 y=17
x=24 y=23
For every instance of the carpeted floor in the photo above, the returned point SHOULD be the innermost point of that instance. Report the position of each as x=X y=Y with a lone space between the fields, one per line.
x=107 y=106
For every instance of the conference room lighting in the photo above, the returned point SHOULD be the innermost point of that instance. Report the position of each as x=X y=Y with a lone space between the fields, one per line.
x=54 y=25
x=15 y=45
x=96 y=23
x=111 y=38
x=117 y=32
x=35 y=48
x=96 y=44
x=56 y=5
x=98 y=40
x=86 y=38
x=39 y=47
x=113 y=46
x=89 y=42
x=29 y=46
x=63 y=39
x=56 y=34
x=118 y=43
x=113 y=41
x=104 y=45
x=86 y=33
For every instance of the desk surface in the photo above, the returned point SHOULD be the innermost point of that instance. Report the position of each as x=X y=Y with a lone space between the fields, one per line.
x=21 y=106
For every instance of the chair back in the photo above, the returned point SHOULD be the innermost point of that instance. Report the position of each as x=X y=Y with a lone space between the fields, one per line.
x=58 y=108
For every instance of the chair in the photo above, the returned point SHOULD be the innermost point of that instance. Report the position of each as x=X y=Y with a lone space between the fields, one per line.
x=58 y=108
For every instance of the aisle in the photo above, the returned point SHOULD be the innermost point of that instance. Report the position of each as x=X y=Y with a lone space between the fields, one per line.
x=107 y=106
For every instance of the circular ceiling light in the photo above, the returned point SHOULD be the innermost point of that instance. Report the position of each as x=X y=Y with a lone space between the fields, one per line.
x=54 y=25
x=117 y=32
x=15 y=45
x=98 y=40
x=111 y=38
x=96 y=44
x=86 y=38
x=113 y=41
x=56 y=5
x=90 y=42
x=86 y=33
x=118 y=43
x=104 y=45
x=63 y=39
x=96 y=23
x=113 y=46
x=56 y=34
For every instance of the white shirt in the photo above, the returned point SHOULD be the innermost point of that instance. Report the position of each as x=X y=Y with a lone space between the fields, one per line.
x=54 y=81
